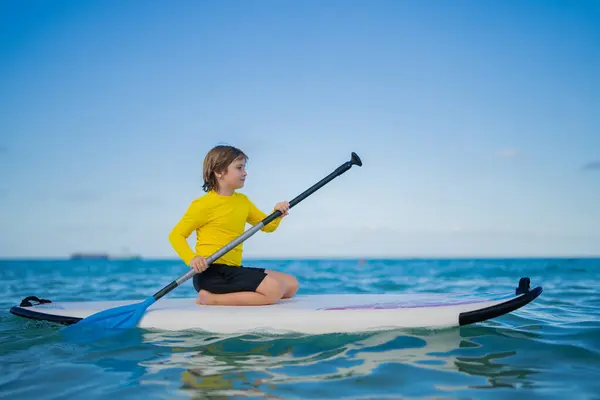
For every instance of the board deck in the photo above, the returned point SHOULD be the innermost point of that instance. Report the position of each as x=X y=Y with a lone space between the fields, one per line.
x=315 y=314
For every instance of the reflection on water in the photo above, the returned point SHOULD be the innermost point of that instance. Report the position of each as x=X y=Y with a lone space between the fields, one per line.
x=549 y=349
x=336 y=365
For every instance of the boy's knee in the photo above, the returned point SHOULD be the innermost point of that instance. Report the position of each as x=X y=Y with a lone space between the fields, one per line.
x=292 y=286
x=272 y=288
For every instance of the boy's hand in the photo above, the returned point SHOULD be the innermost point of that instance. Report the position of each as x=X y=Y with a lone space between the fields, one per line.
x=199 y=264
x=284 y=207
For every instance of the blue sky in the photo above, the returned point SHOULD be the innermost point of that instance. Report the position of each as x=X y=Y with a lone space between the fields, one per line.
x=478 y=123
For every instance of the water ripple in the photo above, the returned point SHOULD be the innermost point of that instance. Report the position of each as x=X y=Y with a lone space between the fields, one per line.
x=549 y=349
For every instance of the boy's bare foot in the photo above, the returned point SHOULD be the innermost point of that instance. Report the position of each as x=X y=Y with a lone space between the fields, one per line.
x=203 y=298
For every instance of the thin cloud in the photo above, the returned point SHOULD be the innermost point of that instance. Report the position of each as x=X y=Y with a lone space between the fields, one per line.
x=457 y=229
x=81 y=196
x=592 y=166
x=509 y=153
x=96 y=228
x=143 y=201
x=70 y=196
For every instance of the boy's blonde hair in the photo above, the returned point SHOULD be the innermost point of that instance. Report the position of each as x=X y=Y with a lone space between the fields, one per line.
x=217 y=160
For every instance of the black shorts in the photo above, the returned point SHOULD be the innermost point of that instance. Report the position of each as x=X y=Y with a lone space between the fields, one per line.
x=220 y=278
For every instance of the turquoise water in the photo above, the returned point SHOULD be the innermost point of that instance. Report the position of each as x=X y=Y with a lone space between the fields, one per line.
x=549 y=349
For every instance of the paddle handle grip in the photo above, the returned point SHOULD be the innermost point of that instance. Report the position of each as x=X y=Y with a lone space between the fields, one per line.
x=355 y=160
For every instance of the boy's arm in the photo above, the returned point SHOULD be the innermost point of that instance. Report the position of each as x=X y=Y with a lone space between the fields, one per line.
x=255 y=215
x=194 y=217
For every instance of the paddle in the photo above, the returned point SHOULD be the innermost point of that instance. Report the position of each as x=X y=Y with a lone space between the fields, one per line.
x=128 y=316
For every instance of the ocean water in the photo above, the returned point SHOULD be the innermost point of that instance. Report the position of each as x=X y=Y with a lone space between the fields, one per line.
x=550 y=349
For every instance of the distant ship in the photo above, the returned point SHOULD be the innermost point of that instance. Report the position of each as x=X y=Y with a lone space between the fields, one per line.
x=125 y=255
x=89 y=256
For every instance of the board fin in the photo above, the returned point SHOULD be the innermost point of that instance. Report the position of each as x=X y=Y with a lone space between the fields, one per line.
x=523 y=286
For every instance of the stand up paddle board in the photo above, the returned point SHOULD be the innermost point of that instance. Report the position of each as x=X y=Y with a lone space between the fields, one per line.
x=313 y=314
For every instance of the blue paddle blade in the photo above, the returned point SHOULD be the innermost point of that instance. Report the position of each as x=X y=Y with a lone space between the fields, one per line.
x=123 y=317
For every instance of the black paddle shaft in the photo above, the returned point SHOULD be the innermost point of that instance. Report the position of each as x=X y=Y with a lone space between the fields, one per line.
x=354 y=160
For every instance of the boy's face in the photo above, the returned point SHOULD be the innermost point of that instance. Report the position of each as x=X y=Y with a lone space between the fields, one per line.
x=236 y=174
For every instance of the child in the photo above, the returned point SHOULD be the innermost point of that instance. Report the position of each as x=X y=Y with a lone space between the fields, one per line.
x=218 y=217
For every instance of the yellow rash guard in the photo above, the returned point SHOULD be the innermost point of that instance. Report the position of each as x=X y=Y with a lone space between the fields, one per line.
x=217 y=220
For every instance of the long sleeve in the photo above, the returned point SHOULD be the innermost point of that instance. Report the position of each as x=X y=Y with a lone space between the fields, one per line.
x=255 y=215
x=194 y=217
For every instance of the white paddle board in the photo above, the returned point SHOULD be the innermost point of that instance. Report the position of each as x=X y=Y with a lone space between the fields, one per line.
x=313 y=314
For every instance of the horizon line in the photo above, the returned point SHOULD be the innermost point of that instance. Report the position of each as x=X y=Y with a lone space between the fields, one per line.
x=300 y=258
